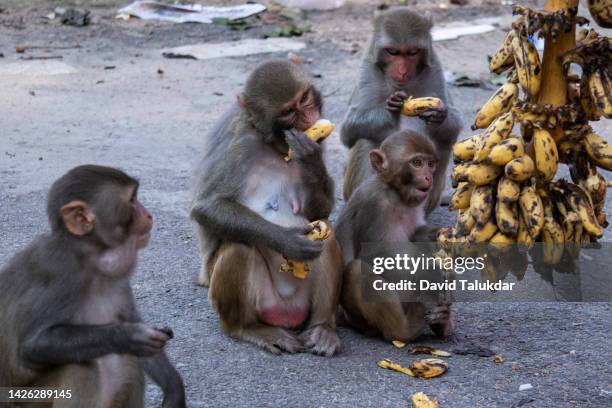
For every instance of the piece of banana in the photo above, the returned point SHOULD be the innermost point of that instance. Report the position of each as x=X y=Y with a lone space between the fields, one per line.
x=527 y=63
x=476 y=174
x=481 y=203
x=520 y=169
x=501 y=102
x=587 y=104
x=417 y=106
x=317 y=132
x=495 y=133
x=509 y=149
x=601 y=11
x=320 y=231
x=428 y=367
x=421 y=400
x=598 y=150
x=507 y=217
x=532 y=209
x=503 y=59
x=546 y=155
x=390 y=365
x=461 y=196
x=600 y=85
x=465 y=149
x=508 y=190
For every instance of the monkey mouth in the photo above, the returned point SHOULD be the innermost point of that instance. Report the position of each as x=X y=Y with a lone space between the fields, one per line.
x=421 y=192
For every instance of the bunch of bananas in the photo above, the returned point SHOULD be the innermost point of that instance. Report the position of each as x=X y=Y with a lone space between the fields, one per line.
x=601 y=10
x=505 y=192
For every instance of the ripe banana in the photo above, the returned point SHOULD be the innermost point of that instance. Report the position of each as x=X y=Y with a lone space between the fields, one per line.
x=417 y=106
x=481 y=203
x=501 y=241
x=495 y=133
x=524 y=237
x=503 y=59
x=553 y=238
x=601 y=11
x=579 y=202
x=600 y=85
x=320 y=231
x=319 y=131
x=509 y=149
x=508 y=191
x=465 y=222
x=465 y=149
x=532 y=210
x=507 y=218
x=461 y=196
x=527 y=63
x=501 y=102
x=589 y=108
x=520 y=169
x=482 y=232
x=546 y=155
x=598 y=150
x=476 y=174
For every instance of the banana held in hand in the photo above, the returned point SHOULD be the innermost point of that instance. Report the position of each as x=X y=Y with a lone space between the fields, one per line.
x=527 y=63
x=546 y=155
x=317 y=132
x=320 y=231
x=417 y=106
x=501 y=102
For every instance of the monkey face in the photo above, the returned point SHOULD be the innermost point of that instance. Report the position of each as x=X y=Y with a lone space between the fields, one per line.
x=302 y=111
x=142 y=222
x=401 y=63
x=415 y=179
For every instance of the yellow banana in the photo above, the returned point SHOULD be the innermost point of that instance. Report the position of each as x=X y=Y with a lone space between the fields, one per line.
x=476 y=174
x=598 y=150
x=506 y=215
x=495 y=133
x=532 y=210
x=461 y=196
x=465 y=149
x=503 y=59
x=507 y=150
x=520 y=169
x=527 y=63
x=501 y=102
x=524 y=237
x=319 y=131
x=482 y=232
x=600 y=85
x=390 y=365
x=589 y=108
x=481 y=203
x=428 y=367
x=320 y=231
x=501 y=241
x=546 y=155
x=417 y=106
x=465 y=222
x=579 y=202
x=508 y=191
x=601 y=11
x=553 y=238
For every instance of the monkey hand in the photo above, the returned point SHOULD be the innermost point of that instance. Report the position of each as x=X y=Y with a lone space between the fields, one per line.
x=297 y=246
x=435 y=116
x=304 y=149
x=396 y=101
x=143 y=341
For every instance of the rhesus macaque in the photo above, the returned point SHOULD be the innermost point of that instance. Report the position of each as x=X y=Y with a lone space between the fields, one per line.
x=386 y=209
x=253 y=209
x=67 y=310
x=400 y=62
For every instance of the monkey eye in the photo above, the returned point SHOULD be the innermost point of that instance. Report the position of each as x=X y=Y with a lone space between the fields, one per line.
x=431 y=163
x=305 y=97
x=391 y=51
x=412 y=53
x=288 y=112
x=418 y=163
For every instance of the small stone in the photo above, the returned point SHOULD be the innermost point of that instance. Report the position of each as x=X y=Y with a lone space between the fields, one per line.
x=525 y=387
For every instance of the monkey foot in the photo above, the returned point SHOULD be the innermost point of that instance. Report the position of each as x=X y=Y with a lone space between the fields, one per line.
x=275 y=340
x=321 y=340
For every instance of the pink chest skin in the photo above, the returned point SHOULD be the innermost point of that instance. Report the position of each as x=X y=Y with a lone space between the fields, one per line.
x=404 y=222
x=279 y=316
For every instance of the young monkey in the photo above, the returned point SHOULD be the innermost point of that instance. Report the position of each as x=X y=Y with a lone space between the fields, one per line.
x=389 y=207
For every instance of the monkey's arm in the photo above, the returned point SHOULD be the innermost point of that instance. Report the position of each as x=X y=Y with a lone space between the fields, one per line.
x=163 y=373
x=68 y=343
x=366 y=123
x=319 y=190
x=445 y=134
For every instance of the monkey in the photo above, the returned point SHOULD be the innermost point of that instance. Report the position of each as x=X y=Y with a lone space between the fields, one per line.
x=399 y=63
x=67 y=310
x=386 y=209
x=252 y=210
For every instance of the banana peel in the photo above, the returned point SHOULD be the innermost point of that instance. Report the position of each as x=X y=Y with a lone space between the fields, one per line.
x=421 y=400
x=425 y=368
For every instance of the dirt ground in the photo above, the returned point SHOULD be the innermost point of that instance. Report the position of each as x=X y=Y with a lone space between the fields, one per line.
x=148 y=115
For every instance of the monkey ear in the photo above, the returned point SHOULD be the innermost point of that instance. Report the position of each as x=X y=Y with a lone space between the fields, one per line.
x=379 y=161
x=78 y=217
x=240 y=100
